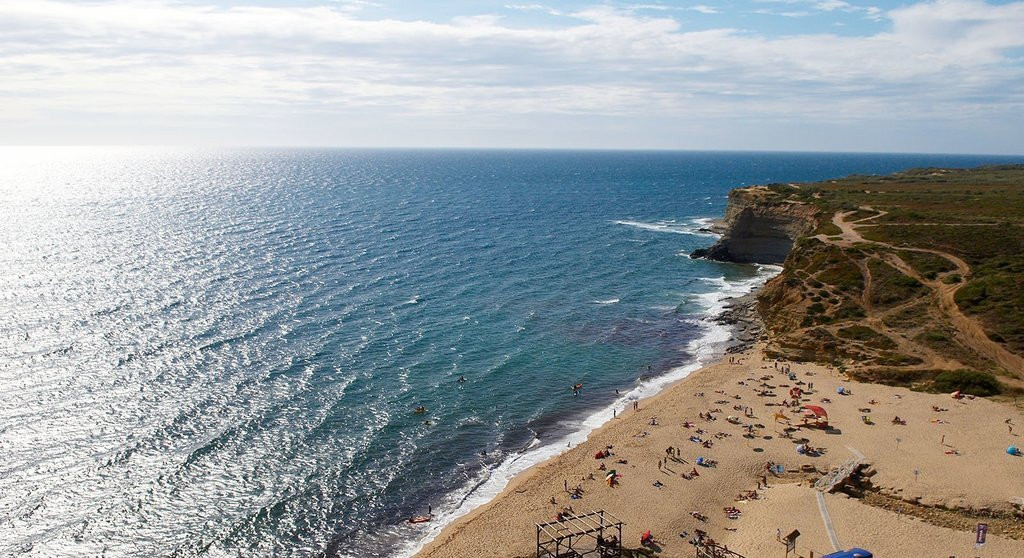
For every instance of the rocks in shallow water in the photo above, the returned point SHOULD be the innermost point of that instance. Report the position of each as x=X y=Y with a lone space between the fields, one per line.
x=699 y=253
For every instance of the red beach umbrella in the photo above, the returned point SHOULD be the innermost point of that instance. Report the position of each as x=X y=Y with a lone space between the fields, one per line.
x=814 y=410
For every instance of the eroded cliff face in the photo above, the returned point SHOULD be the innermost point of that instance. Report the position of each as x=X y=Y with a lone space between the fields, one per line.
x=759 y=227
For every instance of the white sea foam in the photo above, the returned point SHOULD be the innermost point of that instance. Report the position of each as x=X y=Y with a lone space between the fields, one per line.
x=609 y=301
x=690 y=228
x=490 y=481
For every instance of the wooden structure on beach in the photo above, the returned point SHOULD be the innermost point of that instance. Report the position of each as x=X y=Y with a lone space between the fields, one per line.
x=597 y=534
x=839 y=477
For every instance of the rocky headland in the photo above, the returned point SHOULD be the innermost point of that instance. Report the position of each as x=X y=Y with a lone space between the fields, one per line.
x=912 y=279
x=759 y=227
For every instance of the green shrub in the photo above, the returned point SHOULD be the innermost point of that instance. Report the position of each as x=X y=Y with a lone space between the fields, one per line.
x=968 y=381
x=828 y=228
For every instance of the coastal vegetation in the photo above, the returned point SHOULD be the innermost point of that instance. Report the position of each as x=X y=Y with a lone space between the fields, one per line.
x=912 y=279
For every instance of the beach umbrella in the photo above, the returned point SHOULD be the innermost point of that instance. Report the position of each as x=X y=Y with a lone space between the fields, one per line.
x=815 y=411
x=1013 y=450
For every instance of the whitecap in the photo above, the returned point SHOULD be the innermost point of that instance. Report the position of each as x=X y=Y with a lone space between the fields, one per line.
x=609 y=301
x=692 y=228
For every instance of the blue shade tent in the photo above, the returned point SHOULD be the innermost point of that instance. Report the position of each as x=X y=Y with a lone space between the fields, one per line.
x=852 y=553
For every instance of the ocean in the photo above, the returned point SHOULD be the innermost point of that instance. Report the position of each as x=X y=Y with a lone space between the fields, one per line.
x=219 y=352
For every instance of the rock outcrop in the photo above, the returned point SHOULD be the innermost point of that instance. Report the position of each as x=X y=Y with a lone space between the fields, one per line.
x=759 y=227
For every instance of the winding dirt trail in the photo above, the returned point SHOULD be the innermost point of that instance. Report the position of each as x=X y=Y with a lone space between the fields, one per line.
x=970 y=331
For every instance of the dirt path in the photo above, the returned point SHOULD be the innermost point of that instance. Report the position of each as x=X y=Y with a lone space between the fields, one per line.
x=970 y=332
x=875 y=319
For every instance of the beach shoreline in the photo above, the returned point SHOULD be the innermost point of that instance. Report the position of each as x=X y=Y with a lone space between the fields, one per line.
x=735 y=316
x=462 y=523
x=652 y=495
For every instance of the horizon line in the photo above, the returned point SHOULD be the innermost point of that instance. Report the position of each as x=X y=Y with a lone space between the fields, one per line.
x=496 y=148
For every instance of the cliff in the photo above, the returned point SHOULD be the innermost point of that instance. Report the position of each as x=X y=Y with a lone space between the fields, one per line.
x=760 y=227
x=910 y=279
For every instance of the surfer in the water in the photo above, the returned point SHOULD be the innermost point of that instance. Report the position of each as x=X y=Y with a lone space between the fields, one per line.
x=461 y=379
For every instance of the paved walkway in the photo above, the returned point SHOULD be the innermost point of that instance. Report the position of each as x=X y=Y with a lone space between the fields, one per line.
x=828 y=521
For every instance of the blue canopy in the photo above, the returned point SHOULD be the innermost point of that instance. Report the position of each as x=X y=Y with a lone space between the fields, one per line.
x=852 y=553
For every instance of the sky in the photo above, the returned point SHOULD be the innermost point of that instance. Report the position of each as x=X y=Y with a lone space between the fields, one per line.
x=936 y=76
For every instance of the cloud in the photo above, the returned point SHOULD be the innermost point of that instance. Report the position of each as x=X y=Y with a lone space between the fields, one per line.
x=765 y=11
x=830 y=5
x=533 y=8
x=147 y=59
x=818 y=6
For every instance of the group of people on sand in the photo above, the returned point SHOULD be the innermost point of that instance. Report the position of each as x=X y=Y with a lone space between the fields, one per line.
x=705 y=439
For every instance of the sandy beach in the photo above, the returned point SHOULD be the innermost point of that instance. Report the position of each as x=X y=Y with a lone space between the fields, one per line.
x=932 y=479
